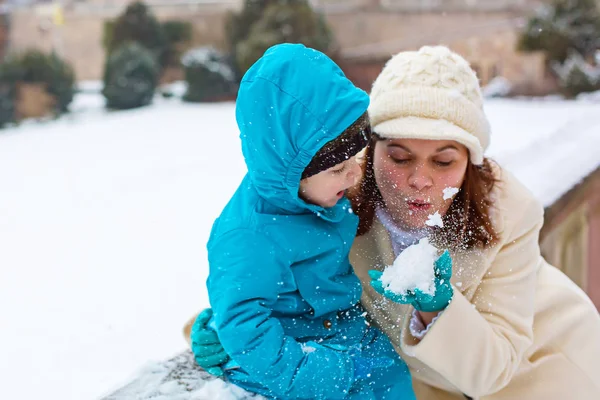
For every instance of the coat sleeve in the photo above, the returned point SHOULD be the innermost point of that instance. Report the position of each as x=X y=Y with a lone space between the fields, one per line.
x=478 y=345
x=247 y=272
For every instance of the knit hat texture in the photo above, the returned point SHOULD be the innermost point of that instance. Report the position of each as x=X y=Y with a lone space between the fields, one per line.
x=431 y=94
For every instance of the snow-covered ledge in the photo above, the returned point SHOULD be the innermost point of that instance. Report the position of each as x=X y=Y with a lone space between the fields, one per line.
x=179 y=378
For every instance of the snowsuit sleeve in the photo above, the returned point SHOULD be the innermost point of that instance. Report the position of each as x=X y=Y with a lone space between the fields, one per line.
x=247 y=271
x=478 y=346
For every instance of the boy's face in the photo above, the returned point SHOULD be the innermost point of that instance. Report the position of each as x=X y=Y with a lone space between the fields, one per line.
x=326 y=188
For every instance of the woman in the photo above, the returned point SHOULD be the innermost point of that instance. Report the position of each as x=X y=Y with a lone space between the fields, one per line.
x=509 y=326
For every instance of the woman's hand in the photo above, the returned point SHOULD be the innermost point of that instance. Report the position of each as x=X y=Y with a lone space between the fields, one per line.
x=423 y=302
x=207 y=349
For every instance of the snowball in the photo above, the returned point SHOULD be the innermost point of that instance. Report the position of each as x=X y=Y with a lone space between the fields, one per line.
x=449 y=192
x=412 y=269
x=435 y=220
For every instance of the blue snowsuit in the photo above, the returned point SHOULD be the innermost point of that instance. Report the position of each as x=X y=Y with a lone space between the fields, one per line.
x=284 y=295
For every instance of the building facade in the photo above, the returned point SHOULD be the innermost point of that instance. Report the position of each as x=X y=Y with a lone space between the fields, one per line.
x=485 y=32
x=78 y=33
x=368 y=32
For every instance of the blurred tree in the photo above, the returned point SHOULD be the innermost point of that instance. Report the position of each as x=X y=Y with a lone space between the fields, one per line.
x=264 y=23
x=137 y=24
x=177 y=34
x=577 y=76
x=47 y=69
x=562 y=26
x=9 y=72
x=208 y=75
x=130 y=77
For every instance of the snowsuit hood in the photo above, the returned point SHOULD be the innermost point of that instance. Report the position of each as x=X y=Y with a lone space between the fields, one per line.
x=286 y=113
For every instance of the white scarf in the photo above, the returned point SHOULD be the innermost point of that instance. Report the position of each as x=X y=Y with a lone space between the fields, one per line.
x=401 y=238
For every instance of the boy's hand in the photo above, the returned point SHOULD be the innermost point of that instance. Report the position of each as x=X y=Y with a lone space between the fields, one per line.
x=207 y=349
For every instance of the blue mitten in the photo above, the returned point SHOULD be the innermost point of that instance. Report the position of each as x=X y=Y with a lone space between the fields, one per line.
x=419 y=300
x=207 y=349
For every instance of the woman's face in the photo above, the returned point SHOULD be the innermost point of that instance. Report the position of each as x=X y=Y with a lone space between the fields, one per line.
x=411 y=175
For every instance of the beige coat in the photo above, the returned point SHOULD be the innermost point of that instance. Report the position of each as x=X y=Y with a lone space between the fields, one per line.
x=517 y=328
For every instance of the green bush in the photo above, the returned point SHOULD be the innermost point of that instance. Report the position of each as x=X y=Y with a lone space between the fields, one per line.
x=264 y=23
x=130 y=77
x=208 y=75
x=238 y=25
x=9 y=73
x=107 y=34
x=177 y=33
x=35 y=66
x=576 y=82
x=137 y=24
x=576 y=76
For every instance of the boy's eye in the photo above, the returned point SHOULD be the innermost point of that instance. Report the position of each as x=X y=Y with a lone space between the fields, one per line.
x=339 y=170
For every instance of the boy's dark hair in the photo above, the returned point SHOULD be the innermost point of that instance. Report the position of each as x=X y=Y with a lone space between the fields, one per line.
x=346 y=145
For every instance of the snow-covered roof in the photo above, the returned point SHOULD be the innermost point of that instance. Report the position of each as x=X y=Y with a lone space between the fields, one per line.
x=550 y=145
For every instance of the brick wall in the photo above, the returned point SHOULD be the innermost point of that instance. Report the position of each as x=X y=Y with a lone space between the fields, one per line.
x=368 y=33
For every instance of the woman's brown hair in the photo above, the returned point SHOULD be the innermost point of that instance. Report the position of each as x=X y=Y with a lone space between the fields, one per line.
x=467 y=223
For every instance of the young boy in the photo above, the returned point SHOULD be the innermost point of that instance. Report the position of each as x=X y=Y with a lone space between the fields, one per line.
x=285 y=299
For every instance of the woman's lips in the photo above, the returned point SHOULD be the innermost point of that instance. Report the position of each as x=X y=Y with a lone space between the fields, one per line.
x=418 y=205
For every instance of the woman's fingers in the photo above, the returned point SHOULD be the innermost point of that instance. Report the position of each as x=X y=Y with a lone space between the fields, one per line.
x=422 y=297
x=375 y=275
x=399 y=298
x=443 y=266
x=378 y=286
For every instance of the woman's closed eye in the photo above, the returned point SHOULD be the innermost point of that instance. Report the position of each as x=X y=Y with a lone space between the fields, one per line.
x=400 y=160
x=444 y=163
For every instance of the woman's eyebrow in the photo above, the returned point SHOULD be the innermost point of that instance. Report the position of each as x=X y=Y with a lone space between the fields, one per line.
x=447 y=147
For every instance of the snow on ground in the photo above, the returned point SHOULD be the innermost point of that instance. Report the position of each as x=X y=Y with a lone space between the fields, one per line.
x=179 y=378
x=105 y=215
x=103 y=227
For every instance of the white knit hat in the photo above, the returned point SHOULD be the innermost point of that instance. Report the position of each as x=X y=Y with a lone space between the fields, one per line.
x=430 y=94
